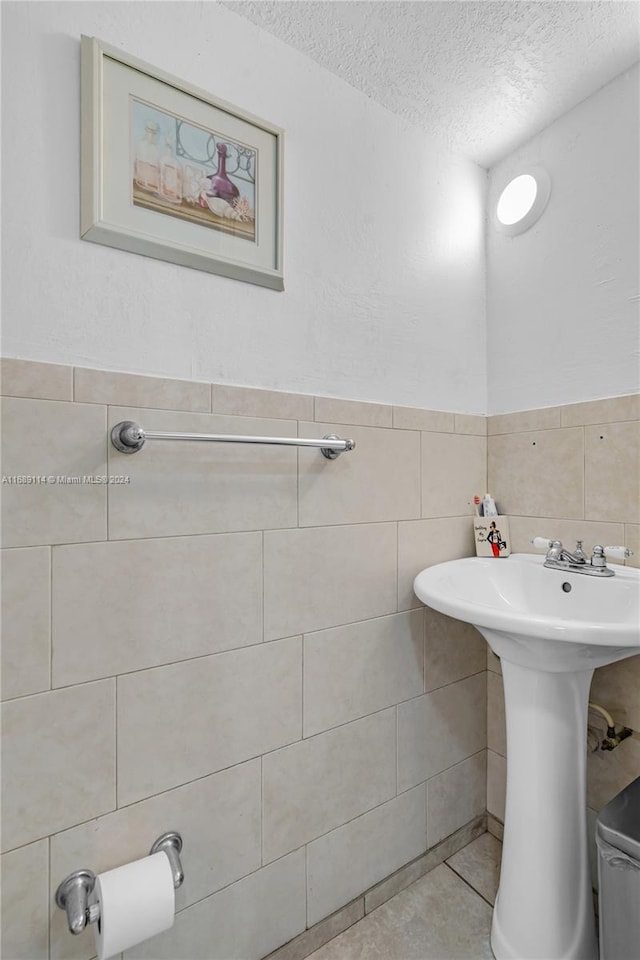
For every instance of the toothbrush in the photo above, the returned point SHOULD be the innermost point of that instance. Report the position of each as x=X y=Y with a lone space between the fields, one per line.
x=477 y=501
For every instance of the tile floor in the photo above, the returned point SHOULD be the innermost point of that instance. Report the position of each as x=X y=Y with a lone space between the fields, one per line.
x=446 y=915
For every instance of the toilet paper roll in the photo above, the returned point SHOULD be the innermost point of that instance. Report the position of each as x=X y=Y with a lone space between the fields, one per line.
x=137 y=901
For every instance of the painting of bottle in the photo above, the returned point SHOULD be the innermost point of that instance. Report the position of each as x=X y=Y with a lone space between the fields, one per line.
x=170 y=175
x=147 y=160
x=221 y=185
x=195 y=174
x=193 y=183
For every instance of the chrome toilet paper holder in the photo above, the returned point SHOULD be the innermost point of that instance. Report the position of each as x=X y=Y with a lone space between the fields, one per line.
x=73 y=893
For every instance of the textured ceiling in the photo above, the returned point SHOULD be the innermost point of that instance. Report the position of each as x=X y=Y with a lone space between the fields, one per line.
x=483 y=77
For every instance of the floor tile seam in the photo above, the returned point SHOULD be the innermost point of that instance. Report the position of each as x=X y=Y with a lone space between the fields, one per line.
x=467 y=882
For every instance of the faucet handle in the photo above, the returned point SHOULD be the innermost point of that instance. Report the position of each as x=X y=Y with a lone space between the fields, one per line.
x=541 y=543
x=579 y=552
x=617 y=553
x=554 y=548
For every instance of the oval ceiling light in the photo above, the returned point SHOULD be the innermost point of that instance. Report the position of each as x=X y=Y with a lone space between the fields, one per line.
x=522 y=201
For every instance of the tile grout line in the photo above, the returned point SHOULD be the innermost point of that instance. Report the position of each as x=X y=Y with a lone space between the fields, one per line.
x=298 y=477
x=133 y=803
x=49 y=891
x=153 y=379
x=306 y=886
x=50 y=549
x=302 y=722
x=421 y=484
x=234 y=531
x=254 y=530
x=108 y=464
x=116 y=740
x=264 y=631
x=253 y=646
x=397 y=750
x=261 y=811
x=291 y=419
x=467 y=882
x=397 y=566
x=426 y=814
x=584 y=473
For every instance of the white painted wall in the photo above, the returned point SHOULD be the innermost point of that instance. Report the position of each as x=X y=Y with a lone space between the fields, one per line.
x=384 y=258
x=563 y=297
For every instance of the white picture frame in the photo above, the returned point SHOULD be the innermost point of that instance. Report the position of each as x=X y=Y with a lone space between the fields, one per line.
x=159 y=199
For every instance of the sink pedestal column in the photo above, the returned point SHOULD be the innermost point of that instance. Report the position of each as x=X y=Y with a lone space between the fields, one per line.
x=544 y=908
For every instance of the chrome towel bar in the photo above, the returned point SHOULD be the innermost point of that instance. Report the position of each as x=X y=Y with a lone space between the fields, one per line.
x=129 y=437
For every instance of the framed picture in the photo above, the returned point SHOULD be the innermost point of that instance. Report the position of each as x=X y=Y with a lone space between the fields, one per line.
x=168 y=171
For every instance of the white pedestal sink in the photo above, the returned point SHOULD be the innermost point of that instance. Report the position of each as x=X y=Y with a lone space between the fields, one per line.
x=550 y=628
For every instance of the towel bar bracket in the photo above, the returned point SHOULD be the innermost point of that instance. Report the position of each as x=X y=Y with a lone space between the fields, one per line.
x=127 y=437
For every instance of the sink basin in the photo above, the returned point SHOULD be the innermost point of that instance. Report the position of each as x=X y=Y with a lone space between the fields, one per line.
x=555 y=619
x=551 y=629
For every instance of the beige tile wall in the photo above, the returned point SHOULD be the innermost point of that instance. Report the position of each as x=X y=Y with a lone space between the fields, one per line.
x=571 y=473
x=265 y=596
x=228 y=644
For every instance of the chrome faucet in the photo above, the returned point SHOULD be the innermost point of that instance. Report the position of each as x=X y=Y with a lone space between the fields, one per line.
x=558 y=558
x=558 y=553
